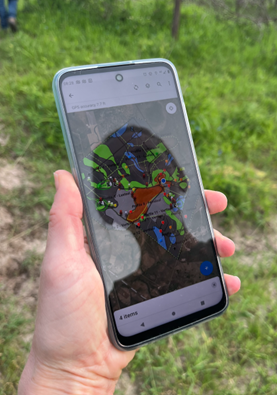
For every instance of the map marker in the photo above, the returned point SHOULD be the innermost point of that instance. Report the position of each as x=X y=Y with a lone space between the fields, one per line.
x=160 y=231
x=162 y=222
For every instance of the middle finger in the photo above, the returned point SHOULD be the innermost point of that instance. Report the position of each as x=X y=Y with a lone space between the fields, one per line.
x=225 y=247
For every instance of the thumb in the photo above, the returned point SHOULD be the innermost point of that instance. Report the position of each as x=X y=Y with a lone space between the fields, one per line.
x=65 y=231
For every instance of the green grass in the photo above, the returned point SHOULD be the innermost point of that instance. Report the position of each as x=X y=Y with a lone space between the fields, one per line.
x=13 y=350
x=228 y=74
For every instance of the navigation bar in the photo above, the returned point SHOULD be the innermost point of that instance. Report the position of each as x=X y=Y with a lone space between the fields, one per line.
x=162 y=309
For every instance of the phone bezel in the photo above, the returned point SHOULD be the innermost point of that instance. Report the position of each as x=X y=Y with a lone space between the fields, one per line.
x=135 y=341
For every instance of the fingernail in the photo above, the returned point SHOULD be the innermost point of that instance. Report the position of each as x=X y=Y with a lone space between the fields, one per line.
x=56 y=178
x=227 y=238
x=235 y=287
x=239 y=281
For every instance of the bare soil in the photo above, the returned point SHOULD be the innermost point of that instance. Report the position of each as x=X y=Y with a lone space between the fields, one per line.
x=15 y=278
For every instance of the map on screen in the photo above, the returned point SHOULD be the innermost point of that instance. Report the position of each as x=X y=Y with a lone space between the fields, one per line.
x=136 y=180
x=144 y=200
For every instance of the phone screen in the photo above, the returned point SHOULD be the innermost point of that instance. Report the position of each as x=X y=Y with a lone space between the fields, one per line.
x=143 y=197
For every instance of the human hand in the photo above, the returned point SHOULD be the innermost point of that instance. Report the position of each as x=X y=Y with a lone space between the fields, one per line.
x=71 y=352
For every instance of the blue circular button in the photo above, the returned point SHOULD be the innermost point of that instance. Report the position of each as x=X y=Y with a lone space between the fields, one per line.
x=206 y=268
x=163 y=180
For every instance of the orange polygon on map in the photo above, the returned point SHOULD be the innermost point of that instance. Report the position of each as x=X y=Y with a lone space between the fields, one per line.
x=143 y=196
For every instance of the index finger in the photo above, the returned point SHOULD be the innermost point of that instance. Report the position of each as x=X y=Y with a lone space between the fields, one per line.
x=216 y=201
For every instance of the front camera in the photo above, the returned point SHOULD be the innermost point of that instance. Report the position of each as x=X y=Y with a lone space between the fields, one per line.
x=119 y=77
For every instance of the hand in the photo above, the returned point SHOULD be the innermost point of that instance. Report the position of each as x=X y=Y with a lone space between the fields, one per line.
x=71 y=352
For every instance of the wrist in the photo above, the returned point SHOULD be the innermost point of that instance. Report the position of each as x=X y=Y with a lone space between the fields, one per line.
x=40 y=379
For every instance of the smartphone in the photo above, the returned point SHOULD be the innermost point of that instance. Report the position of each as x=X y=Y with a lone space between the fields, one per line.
x=131 y=152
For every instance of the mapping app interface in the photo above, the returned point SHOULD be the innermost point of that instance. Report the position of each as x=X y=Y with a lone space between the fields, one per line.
x=143 y=195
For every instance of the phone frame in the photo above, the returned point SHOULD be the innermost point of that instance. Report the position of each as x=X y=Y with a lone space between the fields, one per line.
x=186 y=322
